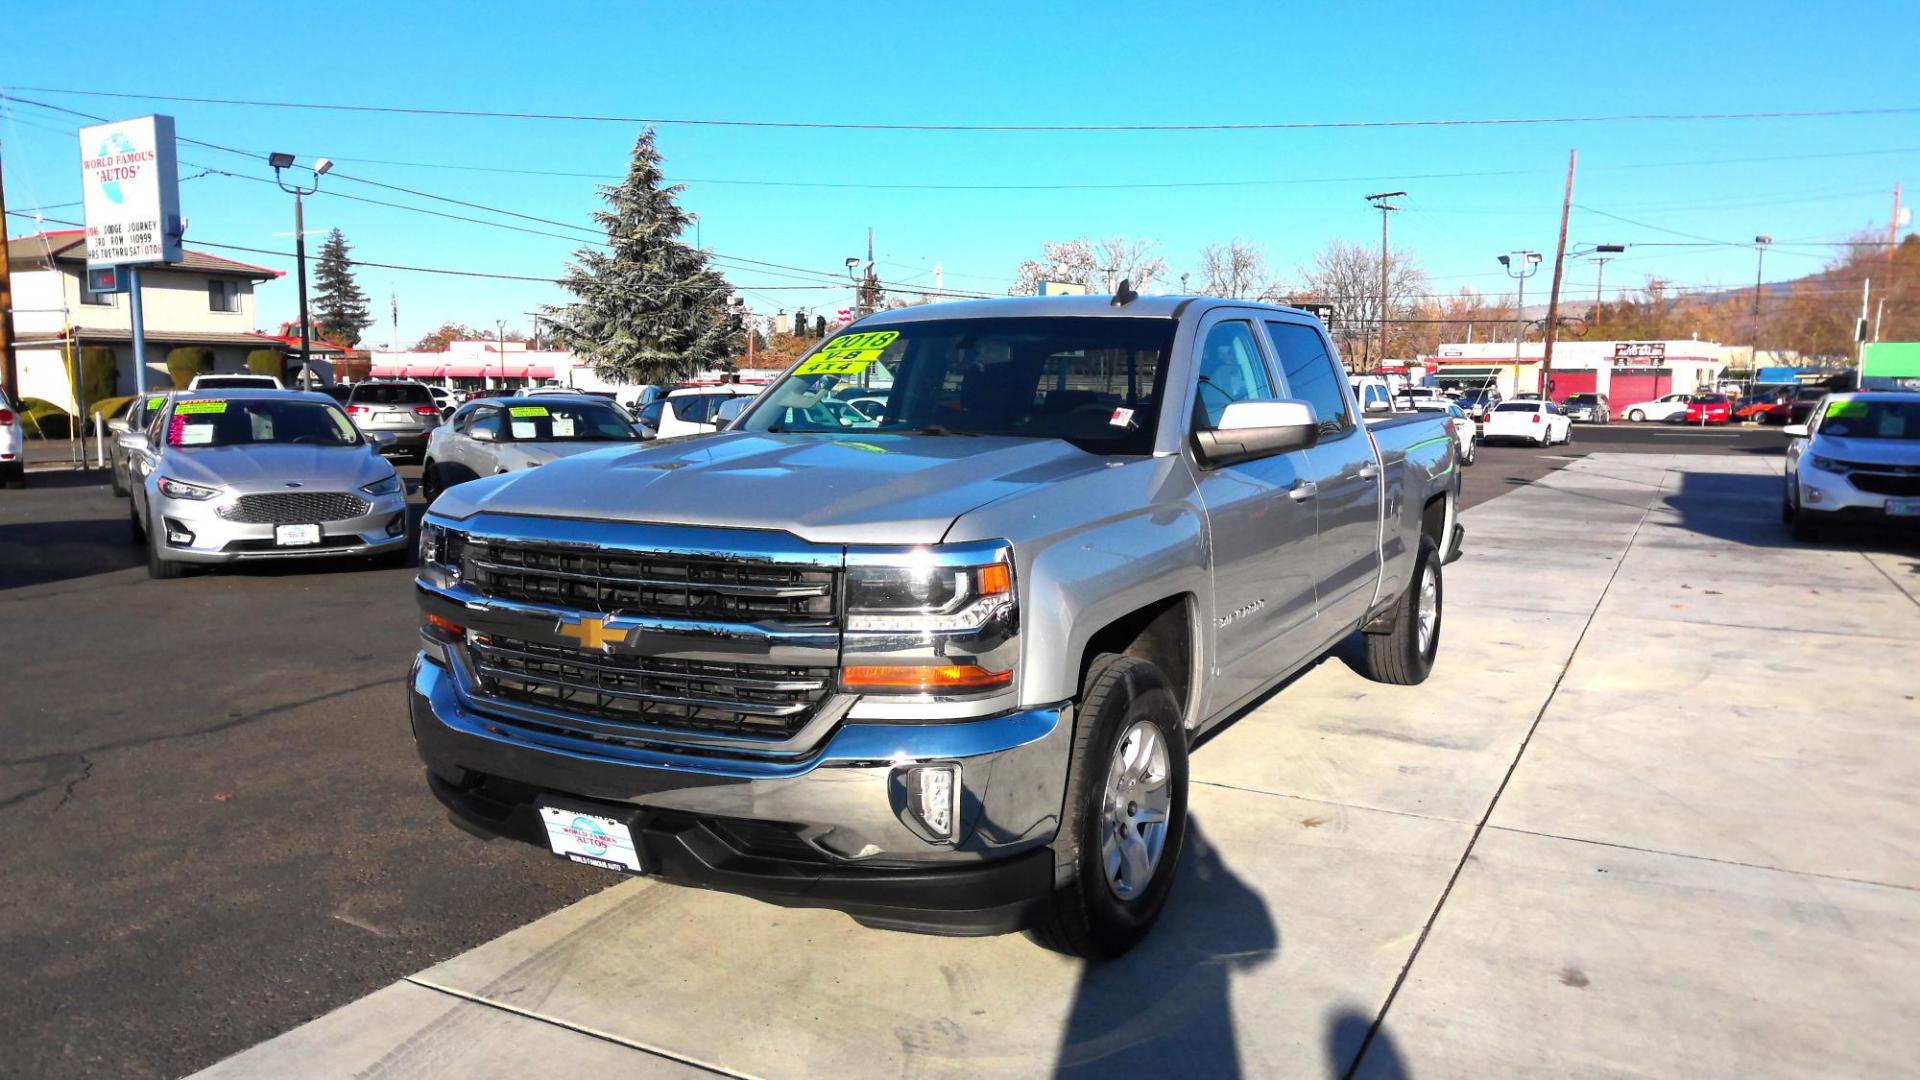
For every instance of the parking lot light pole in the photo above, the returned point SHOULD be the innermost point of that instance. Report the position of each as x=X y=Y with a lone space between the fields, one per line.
x=1520 y=265
x=281 y=163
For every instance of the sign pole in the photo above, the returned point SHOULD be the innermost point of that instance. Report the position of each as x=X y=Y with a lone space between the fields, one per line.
x=139 y=331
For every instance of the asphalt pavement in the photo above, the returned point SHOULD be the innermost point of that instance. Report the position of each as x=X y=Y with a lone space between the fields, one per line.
x=212 y=822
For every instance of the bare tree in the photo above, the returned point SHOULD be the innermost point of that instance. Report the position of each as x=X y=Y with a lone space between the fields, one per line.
x=1236 y=270
x=1347 y=276
x=1099 y=265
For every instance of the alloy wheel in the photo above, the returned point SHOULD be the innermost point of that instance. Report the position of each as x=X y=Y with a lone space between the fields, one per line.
x=1134 y=810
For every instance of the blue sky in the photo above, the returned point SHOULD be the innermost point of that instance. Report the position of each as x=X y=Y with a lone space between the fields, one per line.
x=1025 y=63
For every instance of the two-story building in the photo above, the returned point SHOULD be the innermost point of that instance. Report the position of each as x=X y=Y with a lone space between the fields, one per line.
x=204 y=300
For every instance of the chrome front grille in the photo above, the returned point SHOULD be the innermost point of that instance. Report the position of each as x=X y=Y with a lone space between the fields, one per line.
x=1906 y=485
x=747 y=699
x=652 y=584
x=295 y=508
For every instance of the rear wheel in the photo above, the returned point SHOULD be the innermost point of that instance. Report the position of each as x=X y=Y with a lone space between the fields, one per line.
x=15 y=475
x=1404 y=655
x=430 y=484
x=1125 y=814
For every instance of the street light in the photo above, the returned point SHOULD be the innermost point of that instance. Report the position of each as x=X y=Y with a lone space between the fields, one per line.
x=1759 y=263
x=280 y=163
x=1520 y=266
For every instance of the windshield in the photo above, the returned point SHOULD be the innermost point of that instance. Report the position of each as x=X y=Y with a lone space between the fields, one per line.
x=1518 y=406
x=1866 y=419
x=1582 y=399
x=568 y=421
x=1095 y=382
x=1710 y=399
x=212 y=422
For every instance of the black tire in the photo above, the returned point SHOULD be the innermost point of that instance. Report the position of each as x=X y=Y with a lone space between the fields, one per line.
x=1398 y=656
x=136 y=529
x=158 y=568
x=1636 y=416
x=1808 y=526
x=119 y=488
x=430 y=488
x=1786 y=512
x=16 y=475
x=1087 y=918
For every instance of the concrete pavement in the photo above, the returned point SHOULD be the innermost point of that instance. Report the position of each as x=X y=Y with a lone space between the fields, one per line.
x=1653 y=814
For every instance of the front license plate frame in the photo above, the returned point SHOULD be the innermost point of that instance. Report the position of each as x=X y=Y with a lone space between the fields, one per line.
x=296 y=535
x=594 y=839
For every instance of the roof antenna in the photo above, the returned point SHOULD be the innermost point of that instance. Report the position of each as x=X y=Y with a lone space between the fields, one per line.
x=1124 y=295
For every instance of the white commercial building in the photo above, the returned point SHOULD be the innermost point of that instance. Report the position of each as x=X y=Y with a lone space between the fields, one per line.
x=1625 y=371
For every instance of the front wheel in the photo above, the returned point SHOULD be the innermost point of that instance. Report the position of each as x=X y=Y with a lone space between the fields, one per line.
x=158 y=568
x=1404 y=654
x=1636 y=416
x=1125 y=814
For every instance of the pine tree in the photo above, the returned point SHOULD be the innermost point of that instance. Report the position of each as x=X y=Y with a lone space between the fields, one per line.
x=340 y=308
x=650 y=309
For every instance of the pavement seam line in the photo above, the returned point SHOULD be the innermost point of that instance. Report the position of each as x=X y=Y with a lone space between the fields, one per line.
x=1328 y=802
x=1915 y=600
x=1706 y=859
x=591 y=1033
x=1473 y=841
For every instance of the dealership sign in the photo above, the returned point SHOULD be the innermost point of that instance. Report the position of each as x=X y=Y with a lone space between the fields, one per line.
x=1639 y=353
x=132 y=192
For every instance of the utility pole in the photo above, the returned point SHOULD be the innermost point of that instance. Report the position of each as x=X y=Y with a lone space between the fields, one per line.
x=500 y=325
x=9 y=364
x=1759 y=264
x=1559 y=267
x=1893 y=232
x=1380 y=203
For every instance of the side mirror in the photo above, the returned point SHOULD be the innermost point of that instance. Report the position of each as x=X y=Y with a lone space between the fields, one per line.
x=1257 y=429
x=117 y=425
x=484 y=434
x=132 y=440
x=1795 y=431
x=642 y=430
x=380 y=439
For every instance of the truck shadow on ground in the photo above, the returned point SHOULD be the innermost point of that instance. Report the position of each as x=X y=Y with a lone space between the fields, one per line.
x=1167 y=1007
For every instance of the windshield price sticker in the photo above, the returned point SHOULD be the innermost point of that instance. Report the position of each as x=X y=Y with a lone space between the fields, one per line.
x=562 y=427
x=189 y=408
x=849 y=354
x=528 y=410
x=194 y=435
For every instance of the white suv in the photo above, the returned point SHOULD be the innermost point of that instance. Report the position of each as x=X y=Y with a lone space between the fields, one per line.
x=13 y=444
x=691 y=411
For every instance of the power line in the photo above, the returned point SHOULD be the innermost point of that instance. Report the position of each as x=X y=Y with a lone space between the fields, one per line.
x=1283 y=125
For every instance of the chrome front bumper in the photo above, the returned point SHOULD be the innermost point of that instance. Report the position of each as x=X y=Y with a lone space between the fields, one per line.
x=217 y=540
x=846 y=800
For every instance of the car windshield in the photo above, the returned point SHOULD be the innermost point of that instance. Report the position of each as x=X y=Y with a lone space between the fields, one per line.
x=1710 y=399
x=1582 y=399
x=568 y=421
x=392 y=394
x=1096 y=383
x=1868 y=419
x=240 y=422
x=1518 y=406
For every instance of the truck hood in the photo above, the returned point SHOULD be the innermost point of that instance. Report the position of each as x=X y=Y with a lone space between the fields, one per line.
x=854 y=488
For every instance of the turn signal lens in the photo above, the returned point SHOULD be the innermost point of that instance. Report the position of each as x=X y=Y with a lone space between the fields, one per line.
x=447 y=627
x=927 y=679
x=996 y=579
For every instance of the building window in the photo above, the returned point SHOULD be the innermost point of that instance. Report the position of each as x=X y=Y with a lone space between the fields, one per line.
x=89 y=298
x=223 y=295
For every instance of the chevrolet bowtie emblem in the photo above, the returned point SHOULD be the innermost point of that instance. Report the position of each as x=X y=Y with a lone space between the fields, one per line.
x=592 y=633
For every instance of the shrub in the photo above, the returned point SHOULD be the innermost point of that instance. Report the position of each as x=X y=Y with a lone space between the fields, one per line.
x=107 y=407
x=44 y=418
x=99 y=376
x=186 y=362
x=268 y=362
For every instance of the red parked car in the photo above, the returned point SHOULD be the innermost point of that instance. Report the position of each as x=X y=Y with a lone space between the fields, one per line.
x=1765 y=409
x=1709 y=409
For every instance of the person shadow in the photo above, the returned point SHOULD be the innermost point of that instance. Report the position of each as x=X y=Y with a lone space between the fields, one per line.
x=1167 y=1006
x=1351 y=1054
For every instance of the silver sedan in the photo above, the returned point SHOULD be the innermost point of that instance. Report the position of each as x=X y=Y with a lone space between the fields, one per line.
x=487 y=436
x=236 y=475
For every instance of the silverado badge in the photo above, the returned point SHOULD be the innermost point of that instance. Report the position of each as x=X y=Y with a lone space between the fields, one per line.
x=591 y=632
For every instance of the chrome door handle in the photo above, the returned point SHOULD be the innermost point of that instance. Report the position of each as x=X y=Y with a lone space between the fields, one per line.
x=1303 y=490
x=1369 y=471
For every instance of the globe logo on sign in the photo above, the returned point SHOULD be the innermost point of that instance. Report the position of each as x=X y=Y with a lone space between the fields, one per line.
x=591 y=836
x=117 y=143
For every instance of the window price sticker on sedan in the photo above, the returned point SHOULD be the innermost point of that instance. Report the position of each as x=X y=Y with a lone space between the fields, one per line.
x=590 y=838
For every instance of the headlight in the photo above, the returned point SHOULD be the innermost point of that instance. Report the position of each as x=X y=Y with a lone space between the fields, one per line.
x=391 y=485
x=1826 y=464
x=940 y=621
x=180 y=489
x=442 y=547
x=927 y=597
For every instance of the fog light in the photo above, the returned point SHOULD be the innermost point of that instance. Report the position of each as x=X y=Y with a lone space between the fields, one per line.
x=933 y=798
x=1811 y=494
x=397 y=525
x=177 y=533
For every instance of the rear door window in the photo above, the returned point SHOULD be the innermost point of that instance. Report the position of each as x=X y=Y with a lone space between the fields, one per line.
x=1311 y=374
x=692 y=408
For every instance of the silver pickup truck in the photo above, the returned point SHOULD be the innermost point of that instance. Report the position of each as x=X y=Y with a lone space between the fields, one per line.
x=935 y=661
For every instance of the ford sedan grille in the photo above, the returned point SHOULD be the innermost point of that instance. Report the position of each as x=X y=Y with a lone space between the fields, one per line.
x=295 y=508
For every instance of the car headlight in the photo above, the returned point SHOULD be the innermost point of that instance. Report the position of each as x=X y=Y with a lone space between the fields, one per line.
x=939 y=621
x=441 y=548
x=180 y=489
x=1826 y=464
x=391 y=484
